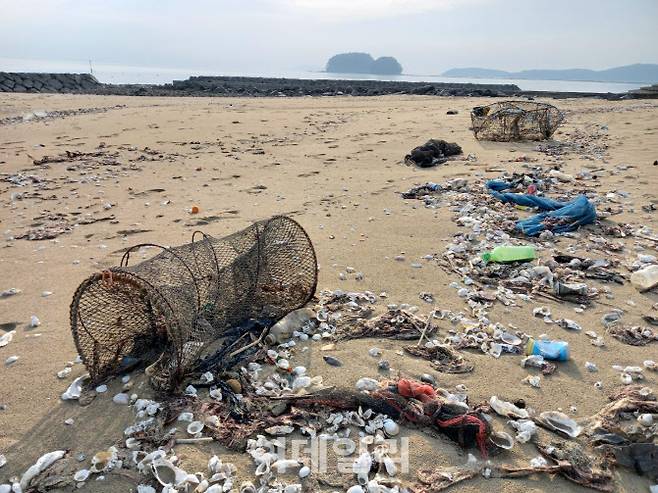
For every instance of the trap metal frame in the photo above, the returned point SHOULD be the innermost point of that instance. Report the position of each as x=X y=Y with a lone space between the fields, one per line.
x=515 y=120
x=166 y=310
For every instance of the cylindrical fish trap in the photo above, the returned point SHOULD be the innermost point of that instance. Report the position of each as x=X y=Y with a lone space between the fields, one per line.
x=515 y=120
x=166 y=310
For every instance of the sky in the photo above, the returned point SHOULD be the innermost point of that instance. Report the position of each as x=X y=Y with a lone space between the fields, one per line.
x=269 y=36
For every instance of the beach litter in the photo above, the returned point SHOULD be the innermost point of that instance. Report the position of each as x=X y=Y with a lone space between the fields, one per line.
x=432 y=153
x=166 y=310
x=515 y=120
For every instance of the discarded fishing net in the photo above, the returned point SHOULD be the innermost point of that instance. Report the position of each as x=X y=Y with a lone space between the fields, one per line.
x=515 y=120
x=432 y=153
x=166 y=310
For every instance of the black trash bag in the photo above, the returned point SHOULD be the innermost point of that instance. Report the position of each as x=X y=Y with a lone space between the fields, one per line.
x=432 y=153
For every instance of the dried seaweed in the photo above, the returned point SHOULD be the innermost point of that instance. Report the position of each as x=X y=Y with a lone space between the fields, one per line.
x=394 y=324
x=572 y=463
x=433 y=481
x=442 y=357
x=631 y=399
x=634 y=336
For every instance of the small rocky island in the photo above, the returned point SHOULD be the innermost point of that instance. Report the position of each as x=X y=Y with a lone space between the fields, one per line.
x=363 y=63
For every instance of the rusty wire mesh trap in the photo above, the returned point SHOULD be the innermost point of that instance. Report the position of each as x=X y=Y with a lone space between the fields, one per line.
x=515 y=120
x=167 y=310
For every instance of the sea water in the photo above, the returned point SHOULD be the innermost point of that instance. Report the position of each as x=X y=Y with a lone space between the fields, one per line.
x=126 y=74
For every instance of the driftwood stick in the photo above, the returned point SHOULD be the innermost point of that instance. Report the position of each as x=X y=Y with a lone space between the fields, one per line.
x=427 y=325
x=187 y=441
x=250 y=345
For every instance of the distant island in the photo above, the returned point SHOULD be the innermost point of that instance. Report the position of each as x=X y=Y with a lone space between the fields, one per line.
x=639 y=72
x=363 y=63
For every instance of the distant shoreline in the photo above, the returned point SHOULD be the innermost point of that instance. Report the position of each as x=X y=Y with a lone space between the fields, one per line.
x=479 y=77
x=273 y=87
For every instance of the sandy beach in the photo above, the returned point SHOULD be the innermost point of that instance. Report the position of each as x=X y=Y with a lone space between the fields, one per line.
x=335 y=165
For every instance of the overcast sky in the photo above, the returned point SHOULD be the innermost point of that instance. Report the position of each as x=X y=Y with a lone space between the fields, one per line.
x=426 y=36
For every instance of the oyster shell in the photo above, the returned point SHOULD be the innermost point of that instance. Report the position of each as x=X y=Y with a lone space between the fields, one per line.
x=560 y=422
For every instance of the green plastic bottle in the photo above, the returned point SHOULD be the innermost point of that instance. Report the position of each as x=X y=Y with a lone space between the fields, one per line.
x=509 y=253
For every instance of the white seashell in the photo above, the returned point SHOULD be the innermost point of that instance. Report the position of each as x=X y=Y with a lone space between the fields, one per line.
x=361 y=467
x=509 y=338
x=64 y=373
x=101 y=389
x=11 y=360
x=74 y=390
x=247 y=487
x=262 y=469
x=626 y=379
x=507 y=409
x=42 y=463
x=145 y=488
x=495 y=350
x=293 y=488
x=152 y=409
x=186 y=417
x=391 y=428
x=374 y=352
x=299 y=370
x=190 y=390
x=82 y=475
x=366 y=383
x=560 y=422
x=533 y=381
x=650 y=365
x=195 y=427
x=203 y=486
x=501 y=440
x=301 y=383
x=3 y=460
x=389 y=465
x=216 y=394
x=282 y=465
x=304 y=472
x=538 y=461
x=34 y=321
x=283 y=363
x=181 y=478
x=207 y=377
x=525 y=428
x=645 y=419
x=591 y=366
x=355 y=489
x=7 y=338
x=214 y=464
x=121 y=398
x=132 y=443
x=279 y=430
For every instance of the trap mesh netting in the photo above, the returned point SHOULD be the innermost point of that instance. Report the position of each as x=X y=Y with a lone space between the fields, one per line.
x=515 y=120
x=166 y=310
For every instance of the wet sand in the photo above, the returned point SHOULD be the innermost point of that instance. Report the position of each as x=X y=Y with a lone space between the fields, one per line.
x=334 y=165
